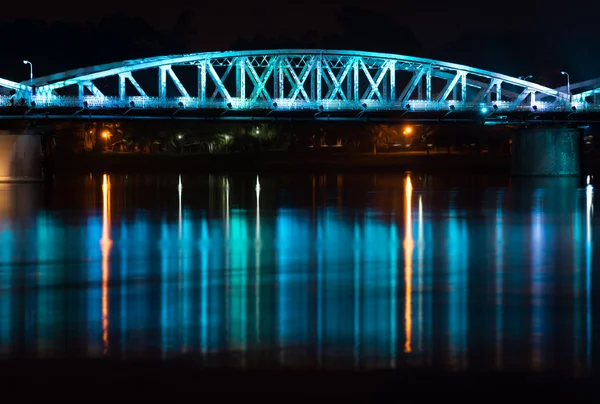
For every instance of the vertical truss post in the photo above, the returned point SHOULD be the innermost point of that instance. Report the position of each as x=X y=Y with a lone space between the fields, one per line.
x=428 y=84
x=454 y=93
x=384 y=90
x=81 y=90
x=162 y=81
x=498 y=91
x=280 y=79
x=122 y=79
x=240 y=79
x=276 y=80
x=420 y=89
x=392 y=82
x=313 y=84
x=532 y=98
x=348 y=82
x=319 y=71
x=463 y=88
x=202 y=81
x=356 y=81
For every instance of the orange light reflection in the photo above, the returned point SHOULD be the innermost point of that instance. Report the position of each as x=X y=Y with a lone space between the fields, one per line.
x=105 y=245
x=408 y=256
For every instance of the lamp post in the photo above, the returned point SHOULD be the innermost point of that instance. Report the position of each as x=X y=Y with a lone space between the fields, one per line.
x=568 y=83
x=27 y=62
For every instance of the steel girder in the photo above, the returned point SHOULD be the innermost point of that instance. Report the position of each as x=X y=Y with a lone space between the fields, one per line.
x=289 y=80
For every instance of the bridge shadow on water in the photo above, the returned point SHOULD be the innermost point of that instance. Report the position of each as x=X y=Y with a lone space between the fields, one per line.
x=371 y=286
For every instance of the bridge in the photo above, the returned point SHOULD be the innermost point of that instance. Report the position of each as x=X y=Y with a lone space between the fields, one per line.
x=305 y=84
x=291 y=84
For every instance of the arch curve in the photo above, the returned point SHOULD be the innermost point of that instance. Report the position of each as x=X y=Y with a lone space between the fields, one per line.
x=317 y=80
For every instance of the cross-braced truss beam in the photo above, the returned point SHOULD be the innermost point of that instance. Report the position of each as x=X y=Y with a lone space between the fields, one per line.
x=289 y=80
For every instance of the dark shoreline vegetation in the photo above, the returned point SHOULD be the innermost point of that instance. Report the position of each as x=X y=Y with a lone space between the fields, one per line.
x=304 y=161
x=292 y=161
x=183 y=378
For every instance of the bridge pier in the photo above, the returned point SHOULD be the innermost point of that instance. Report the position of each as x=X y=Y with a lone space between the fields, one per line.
x=547 y=151
x=20 y=157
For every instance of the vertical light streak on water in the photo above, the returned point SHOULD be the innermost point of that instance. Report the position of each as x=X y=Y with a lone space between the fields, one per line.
x=499 y=281
x=393 y=294
x=144 y=243
x=217 y=317
x=45 y=321
x=180 y=209
x=204 y=283
x=283 y=239
x=239 y=281
x=537 y=279
x=408 y=271
x=164 y=247
x=225 y=201
x=105 y=244
x=94 y=292
x=320 y=286
x=293 y=246
x=184 y=258
x=453 y=280
x=357 y=290
x=257 y=251
x=589 y=192
x=179 y=312
x=6 y=246
x=123 y=291
x=420 y=250
x=428 y=268
x=464 y=289
x=458 y=252
x=578 y=274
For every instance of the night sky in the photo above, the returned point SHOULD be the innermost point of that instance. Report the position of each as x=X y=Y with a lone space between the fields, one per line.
x=513 y=37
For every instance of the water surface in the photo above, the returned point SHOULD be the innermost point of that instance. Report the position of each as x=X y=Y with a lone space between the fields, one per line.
x=337 y=270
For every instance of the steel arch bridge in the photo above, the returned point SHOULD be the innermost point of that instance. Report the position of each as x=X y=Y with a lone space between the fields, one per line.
x=287 y=83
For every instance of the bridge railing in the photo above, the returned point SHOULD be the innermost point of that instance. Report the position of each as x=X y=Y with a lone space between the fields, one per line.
x=236 y=103
x=139 y=102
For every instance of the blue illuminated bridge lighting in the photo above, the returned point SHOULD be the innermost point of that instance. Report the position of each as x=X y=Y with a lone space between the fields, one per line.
x=285 y=83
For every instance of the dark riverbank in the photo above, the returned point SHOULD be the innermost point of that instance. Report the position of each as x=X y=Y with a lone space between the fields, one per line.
x=123 y=162
x=288 y=161
x=145 y=380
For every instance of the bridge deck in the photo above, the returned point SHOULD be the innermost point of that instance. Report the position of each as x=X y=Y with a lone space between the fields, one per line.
x=286 y=83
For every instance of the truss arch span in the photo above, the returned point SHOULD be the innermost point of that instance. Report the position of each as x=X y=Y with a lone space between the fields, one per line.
x=319 y=81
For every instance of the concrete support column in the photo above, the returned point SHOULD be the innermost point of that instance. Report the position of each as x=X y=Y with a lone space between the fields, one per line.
x=551 y=152
x=20 y=157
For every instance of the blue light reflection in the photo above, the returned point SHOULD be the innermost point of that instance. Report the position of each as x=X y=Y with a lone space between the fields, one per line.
x=408 y=275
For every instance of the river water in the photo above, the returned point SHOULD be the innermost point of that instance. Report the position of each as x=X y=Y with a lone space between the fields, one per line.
x=335 y=270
